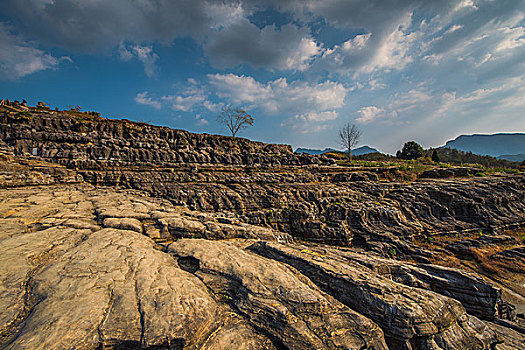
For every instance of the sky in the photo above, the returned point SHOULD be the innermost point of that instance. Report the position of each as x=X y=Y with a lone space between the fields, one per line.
x=400 y=70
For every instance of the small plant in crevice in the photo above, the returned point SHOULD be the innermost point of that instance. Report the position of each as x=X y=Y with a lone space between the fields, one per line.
x=392 y=252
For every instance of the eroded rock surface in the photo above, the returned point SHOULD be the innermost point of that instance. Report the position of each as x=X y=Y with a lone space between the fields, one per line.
x=114 y=287
x=120 y=235
x=308 y=197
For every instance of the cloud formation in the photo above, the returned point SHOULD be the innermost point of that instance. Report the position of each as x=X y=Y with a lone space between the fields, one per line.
x=312 y=101
x=19 y=58
x=287 y=48
x=144 y=54
x=393 y=33
x=279 y=96
x=369 y=114
x=92 y=26
x=143 y=98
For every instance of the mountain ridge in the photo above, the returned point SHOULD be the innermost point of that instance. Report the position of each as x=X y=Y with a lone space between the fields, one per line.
x=356 y=152
x=500 y=145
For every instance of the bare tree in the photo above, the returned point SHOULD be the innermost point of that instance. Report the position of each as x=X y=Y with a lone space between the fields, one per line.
x=235 y=119
x=349 y=136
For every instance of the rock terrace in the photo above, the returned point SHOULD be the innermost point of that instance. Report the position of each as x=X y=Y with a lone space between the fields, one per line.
x=120 y=235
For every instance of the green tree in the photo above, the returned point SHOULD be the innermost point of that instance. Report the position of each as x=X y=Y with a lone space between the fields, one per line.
x=411 y=150
x=435 y=156
x=235 y=119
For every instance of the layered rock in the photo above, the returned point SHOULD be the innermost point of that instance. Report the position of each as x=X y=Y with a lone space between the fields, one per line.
x=80 y=140
x=218 y=243
x=345 y=213
x=117 y=288
x=263 y=183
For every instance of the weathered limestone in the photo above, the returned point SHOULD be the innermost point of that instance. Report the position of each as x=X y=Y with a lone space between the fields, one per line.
x=212 y=243
x=114 y=287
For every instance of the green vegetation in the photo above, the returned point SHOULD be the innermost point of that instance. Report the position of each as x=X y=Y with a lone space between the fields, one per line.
x=392 y=252
x=94 y=114
x=80 y=120
x=453 y=156
x=411 y=150
x=413 y=160
x=435 y=156
x=23 y=117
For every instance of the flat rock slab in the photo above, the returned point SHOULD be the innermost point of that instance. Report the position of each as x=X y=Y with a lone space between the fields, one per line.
x=80 y=270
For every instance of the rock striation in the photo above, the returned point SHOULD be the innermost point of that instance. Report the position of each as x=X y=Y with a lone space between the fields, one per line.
x=268 y=185
x=121 y=235
x=85 y=141
x=116 y=287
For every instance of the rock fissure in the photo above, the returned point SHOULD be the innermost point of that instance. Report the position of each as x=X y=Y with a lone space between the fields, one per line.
x=346 y=289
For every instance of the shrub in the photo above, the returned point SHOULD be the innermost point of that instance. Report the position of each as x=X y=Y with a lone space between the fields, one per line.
x=435 y=156
x=392 y=252
x=22 y=117
x=94 y=114
x=411 y=150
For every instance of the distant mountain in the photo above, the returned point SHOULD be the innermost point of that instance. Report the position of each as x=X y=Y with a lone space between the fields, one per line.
x=315 y=151
x=513 y=157
x=364 y=150
x=356 y=152
x=505 y=146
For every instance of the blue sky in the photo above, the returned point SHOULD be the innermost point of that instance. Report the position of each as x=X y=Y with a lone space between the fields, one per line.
x=401 y=69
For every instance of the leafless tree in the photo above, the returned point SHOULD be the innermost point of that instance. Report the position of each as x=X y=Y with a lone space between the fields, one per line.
x=235 y=119
x=349 y=136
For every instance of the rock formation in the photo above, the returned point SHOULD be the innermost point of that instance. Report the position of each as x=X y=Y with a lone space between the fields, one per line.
x=120 y=235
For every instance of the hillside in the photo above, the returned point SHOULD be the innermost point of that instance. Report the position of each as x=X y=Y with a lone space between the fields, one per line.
x=513 y=157
x=510 y=145
x=356 y=152
x=123 y=235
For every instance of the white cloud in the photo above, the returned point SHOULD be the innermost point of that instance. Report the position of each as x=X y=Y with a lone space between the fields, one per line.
x=19 y=58
x=433 y=59
x=366 y=53
x=375 y=84
x=143 y=99
x=213 y=107
x=515 y=101
x=492 y=38
x=369 y=114
x=504 y=95
x=453 y=28
x=279 y=96
x=401 y=105
x=144 y=54
x=184 y=103
x=193 y=96
x=312 y=105
x=318 y=117
x=393 y=50
x=301 y=126
x=511 y=38
x=223 y=14
x=409 y=100
x=200 y=120
x=239 y=89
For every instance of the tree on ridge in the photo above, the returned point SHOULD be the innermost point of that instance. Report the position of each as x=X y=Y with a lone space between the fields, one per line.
x=349 y=136
x=235 y=119
x=411 y=150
